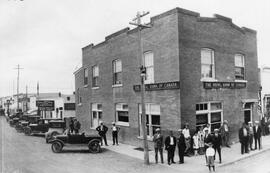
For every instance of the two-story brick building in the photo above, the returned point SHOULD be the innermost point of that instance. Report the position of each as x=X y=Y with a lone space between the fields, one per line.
x=199 y=70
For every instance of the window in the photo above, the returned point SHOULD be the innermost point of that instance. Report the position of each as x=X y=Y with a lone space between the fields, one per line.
x=85 y=74
x=121 y=110
x=95 y=74
x=207 y=63
x=96 y=114
x=239 y=61
x=117 y=72
x=152 y=112
x=68 y=98
x=209 y=113
x=79 y=98
x=149 y=65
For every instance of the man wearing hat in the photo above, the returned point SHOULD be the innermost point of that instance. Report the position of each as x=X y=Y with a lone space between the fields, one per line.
x=257 y=134
x=158 y=145
x=251 y=135
x=217 y=141
x=102 y=130
x=170 y=143
x=243 y=138
x=224 y=130
x=181 y=143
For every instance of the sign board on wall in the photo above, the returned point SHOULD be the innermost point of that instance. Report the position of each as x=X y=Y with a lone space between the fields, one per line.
x=225 y=85
x=69 y=106
x=45 y=105
x=158 y=86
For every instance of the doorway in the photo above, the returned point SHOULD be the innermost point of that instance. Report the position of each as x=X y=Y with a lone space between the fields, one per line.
x=247 y=112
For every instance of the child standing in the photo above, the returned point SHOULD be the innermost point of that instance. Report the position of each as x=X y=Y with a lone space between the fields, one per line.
x=210 y=153
x=196 y=143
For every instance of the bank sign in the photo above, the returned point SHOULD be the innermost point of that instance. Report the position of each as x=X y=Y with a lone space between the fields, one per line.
x=158 y=86
x=225 y=85
x=45 y=105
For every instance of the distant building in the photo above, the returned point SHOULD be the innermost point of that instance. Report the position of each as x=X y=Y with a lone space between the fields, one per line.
x=199 y=70
x=265 y=94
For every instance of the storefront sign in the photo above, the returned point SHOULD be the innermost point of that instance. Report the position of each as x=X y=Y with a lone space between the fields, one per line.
x=158 y=86
x=225 y=85
x=45 y=105
x=69 y=106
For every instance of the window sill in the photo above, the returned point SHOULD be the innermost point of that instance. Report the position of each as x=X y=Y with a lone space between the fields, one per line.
x=148 y=138
x=85 y=86
x=117 y=85
x=94 y=88
x=120 y=123
x=239 y=80
x=80 y=104
x=208 y=80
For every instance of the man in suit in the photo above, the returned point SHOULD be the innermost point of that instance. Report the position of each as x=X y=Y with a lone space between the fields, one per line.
x=170 y=143
x=257 y=132
x=158 y=145
x=207 y=140
x=243 y=138
x=102 y=130
x=224 y=130
x=181 y=143
x=217 y=141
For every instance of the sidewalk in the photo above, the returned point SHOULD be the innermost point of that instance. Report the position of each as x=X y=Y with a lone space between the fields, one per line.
x=194 y=163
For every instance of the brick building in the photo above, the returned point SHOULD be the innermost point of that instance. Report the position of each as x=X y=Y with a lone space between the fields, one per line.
x=199 y=70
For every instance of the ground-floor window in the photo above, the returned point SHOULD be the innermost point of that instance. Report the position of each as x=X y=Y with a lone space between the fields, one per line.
x=96 y=114
x=209 y=113
x=121 y=111
x=152 y=112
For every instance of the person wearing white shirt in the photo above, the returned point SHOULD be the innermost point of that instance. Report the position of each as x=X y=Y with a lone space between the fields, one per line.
x=170 y=143
x=210 y=153
x=186 y=133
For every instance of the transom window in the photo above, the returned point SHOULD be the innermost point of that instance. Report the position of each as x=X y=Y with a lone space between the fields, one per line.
x=95 y=75
x=209 y=113
x=239 y=61
x=121 y=110
x=149 y=65
x=207 y=63
x=117 y=72
x=96 y=114
x=85 y=74
x=152 y=112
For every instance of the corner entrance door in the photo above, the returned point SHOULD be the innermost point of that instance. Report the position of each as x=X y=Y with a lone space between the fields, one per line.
x=248 y=112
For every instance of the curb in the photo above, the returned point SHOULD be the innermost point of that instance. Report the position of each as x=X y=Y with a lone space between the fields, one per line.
x=243 y=158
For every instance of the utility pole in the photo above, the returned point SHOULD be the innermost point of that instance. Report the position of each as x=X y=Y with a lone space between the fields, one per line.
x=140 y=26
x=26 y=99
x=18 y=79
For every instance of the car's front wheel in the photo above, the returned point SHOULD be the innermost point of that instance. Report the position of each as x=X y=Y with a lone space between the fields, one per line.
x=57 y=147
x=94 y=146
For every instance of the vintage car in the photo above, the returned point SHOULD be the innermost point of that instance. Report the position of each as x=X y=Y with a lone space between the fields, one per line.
x=92 y=141
x=25 y=121
x=56 y=127
x=41 y=127
x=14 y=121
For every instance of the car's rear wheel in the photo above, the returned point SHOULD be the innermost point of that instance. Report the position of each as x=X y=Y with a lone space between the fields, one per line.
x=57 y=147
x=94 y=146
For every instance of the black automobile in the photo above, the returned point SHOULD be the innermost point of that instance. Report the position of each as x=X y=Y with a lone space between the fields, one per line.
x=41 y=127
x=25 y=121
x=92 y=141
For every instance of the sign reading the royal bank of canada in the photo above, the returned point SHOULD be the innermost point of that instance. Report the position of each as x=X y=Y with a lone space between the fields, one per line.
x=225 y=85
x=46 y=105
x=158 y=86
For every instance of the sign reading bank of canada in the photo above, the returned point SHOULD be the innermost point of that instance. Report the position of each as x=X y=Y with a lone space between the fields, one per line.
x=45 y=105
x=225 y=85
x=158 y=86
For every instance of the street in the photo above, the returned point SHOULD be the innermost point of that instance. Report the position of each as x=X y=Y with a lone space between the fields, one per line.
x=30 y=154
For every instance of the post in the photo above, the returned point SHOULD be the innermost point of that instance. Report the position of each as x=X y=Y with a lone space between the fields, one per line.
x=18 y=79
x=142 y=76
x=26 y=95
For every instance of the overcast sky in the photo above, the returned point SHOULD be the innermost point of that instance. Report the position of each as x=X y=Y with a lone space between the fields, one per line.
x=46 y=36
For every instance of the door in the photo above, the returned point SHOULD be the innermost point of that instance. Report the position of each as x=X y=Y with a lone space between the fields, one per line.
x=96 y=118
x=247 y=116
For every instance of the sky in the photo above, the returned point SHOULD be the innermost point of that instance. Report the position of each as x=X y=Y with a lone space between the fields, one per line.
x=45 y=37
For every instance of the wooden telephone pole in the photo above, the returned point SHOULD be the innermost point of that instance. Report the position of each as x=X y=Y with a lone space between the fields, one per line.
x=140 y=26
x=18 y=80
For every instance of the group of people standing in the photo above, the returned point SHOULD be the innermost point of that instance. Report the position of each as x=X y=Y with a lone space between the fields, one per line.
x=102 y=130
x=248 y=134
x=74 y=126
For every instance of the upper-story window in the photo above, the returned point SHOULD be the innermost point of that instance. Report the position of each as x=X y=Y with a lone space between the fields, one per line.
x=149 y=65
x=207 y=63
x=117 y=72
x=239 y=69
x=95 y=75
x=85 y=74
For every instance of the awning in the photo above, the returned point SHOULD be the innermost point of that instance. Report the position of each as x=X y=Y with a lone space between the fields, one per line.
x=249 y=100
x=32 y=112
